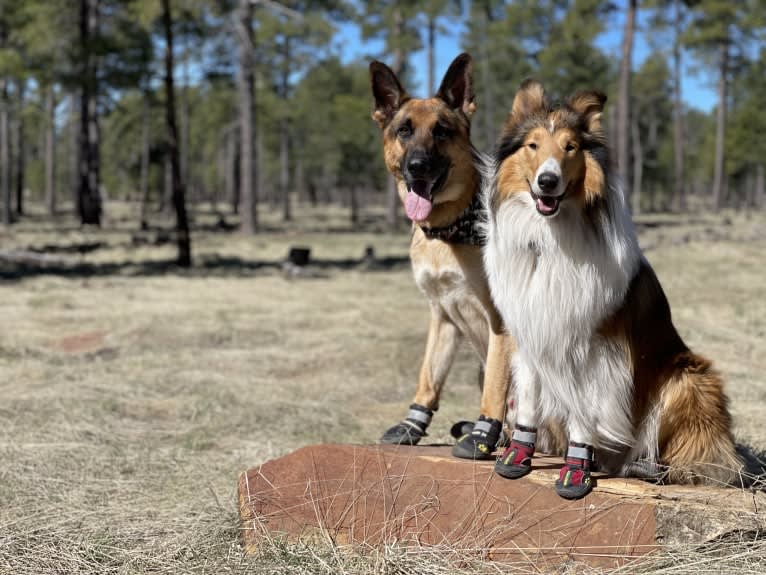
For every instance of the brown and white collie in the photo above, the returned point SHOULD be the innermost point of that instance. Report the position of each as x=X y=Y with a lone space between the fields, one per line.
x=596 y=345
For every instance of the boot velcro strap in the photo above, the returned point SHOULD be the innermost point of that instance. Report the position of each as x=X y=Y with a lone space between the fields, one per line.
x=482 y=428
x=580 y=451
x=420 y=416
x=524 y=436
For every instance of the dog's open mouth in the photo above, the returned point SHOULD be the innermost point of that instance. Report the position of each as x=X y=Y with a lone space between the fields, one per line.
x=420 y=194
x=547 y=205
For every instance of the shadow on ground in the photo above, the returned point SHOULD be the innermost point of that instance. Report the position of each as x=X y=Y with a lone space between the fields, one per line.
x=21 y=267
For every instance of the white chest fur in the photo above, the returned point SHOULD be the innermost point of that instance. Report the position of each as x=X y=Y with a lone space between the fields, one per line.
x=449 y=290
x=554 y=282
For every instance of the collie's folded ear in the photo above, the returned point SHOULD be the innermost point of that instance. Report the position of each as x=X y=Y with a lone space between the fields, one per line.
x=388 y=92
x=589 y=105
x=529 y=100
x=457 y=86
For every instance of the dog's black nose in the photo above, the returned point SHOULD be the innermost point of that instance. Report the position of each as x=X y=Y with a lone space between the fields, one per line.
x=418 y=165
x=547 y=181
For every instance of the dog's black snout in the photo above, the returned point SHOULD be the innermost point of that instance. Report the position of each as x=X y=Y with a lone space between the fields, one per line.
x=547 y=181
x=418 y=165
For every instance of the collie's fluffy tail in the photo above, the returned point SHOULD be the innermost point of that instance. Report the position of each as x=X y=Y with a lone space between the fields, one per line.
x=695 y=438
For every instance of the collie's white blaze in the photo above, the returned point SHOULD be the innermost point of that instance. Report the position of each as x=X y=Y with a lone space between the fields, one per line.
x=554 y=282
x=551 y=126
x=551 y=165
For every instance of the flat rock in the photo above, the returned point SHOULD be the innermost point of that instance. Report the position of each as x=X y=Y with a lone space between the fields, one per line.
x=380 y=495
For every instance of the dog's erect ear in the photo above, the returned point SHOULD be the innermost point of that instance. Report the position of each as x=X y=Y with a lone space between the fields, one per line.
x=457 y=86
x=589 y=105
x=529 y=100
x=388 y=92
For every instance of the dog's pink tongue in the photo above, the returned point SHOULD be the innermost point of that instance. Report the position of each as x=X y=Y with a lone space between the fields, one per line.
x=417 y=207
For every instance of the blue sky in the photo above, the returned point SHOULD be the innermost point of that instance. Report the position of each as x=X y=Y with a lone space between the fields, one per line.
x=697 y=87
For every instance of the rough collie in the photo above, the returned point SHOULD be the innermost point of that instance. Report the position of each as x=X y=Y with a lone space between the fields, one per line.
x=597 y=348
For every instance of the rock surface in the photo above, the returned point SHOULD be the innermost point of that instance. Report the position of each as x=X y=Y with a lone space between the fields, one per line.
x=376 y=495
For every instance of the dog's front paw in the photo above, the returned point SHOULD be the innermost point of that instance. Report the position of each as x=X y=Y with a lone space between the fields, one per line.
x=481 y=442
x=412 y=429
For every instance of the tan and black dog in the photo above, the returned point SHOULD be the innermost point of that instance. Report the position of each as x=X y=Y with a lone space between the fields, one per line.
x=427 y=148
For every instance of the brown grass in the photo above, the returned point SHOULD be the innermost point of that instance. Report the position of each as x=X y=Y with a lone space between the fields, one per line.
x=133 y=395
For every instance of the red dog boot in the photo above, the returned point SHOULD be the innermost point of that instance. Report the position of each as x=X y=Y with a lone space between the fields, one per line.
x=516 y=460
x=574 y=480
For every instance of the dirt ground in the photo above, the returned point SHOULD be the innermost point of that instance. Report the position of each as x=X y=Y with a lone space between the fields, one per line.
x=133 y=393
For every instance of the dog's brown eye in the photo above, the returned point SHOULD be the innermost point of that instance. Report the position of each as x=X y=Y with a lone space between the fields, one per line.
x=440 y=132
x=569 y=147
x=404 y=132
x=532 y=146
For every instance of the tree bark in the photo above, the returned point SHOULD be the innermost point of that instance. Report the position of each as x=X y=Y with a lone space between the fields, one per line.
x=488 y=103
x=284 y=136
x=5 y=155
x=397 y=67
x=431 y=55
x=354 y=203
x=232 y=191
x=89 y=198
x=246 y=87
x=21 y=156
x=179 y=201
x=50 y=150
x=146 y=119
x=760 y=187
x=679 y=185
x=623 y=98
x=638 y=164
x=720 y=128
x=5 y=150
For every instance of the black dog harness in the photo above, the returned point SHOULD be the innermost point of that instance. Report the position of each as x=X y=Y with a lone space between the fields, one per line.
x=468 y=229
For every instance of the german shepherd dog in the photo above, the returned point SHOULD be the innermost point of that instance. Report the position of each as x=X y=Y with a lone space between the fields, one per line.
x=428 y=150
x=596 y=345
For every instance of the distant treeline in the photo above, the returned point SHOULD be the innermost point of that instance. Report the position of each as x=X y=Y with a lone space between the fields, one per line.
x=267 y=108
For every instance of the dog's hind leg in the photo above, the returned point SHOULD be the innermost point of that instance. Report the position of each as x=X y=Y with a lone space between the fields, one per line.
x=442 y=343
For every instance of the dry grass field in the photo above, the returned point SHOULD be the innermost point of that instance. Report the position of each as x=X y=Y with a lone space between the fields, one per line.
x=133 y=393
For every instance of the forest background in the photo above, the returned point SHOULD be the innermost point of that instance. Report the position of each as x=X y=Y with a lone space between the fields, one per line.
x=256 y=105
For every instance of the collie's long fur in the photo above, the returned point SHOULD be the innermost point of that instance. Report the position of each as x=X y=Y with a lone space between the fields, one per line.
x=596 y=345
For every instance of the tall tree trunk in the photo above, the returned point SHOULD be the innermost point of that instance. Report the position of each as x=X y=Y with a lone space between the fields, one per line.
x=246 y=87
x=185 y=122
x=21 y=155
x=760 y=186
x=720 y=128
x=5 y=154
x=74 y=151
x=623 y=98
x=431 y=55
x=638 y=164
x=354 y=203
x=179 y=201
x=89 y=198
x=5 y=149
x=392 y=192
x=230 y=179
x=146 y=119
x=284 y=137
x=679 y=185
x=50 y=149
x=299 y=174
x=488 y=103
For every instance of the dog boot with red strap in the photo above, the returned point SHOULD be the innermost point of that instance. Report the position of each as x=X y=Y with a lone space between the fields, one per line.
x=516 y=460
x=481 y=442
x=410 y=430
x=574 y=480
